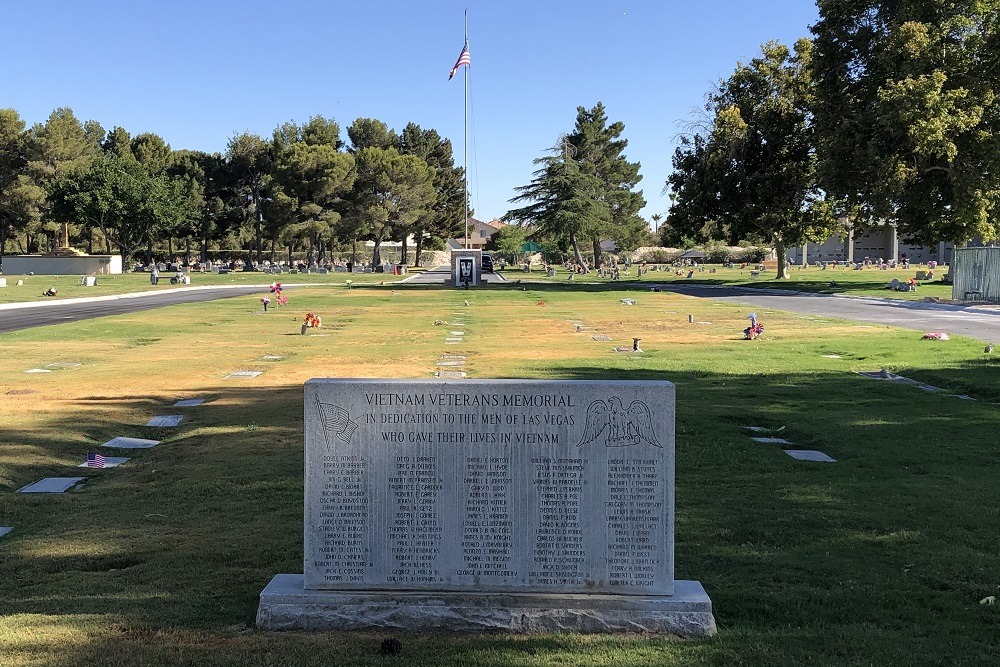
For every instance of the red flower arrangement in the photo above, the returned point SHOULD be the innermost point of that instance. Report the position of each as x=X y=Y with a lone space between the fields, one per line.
x=313 y=320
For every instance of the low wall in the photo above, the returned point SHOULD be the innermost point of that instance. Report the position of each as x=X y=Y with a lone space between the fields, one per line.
x=43 y=265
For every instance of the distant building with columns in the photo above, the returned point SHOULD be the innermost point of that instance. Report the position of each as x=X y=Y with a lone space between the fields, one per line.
x=882 y=242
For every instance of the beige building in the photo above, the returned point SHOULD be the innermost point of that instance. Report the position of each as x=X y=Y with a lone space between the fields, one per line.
x=479 y=234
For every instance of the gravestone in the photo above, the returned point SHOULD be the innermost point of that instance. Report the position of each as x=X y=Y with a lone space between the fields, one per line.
x=165 y=421
x=109 y=462
x=5 y=529
x=121 y=442
x=771 y=440
x=52 y=485
x=514 y=505
x=188 y=403
x=240 y=375
x=809 y=455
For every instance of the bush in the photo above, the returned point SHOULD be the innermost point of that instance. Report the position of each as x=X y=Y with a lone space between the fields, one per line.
x=720 y=255
x=750 y=255
x=658 y=255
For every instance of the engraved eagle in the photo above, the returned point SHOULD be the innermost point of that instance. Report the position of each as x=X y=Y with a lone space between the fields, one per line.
x=625 y=428
x=336 y=423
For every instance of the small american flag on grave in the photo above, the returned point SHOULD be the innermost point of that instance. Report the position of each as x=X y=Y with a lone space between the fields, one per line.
x=95 y=460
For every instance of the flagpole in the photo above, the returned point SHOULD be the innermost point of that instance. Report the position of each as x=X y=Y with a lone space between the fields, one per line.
x=466 y=146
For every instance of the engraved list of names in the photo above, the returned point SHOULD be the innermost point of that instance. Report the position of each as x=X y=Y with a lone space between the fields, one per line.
x=490 y=485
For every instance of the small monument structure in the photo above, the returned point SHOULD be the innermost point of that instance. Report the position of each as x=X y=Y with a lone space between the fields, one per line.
x=511 y=505
x=466 y=267
x=64 y=261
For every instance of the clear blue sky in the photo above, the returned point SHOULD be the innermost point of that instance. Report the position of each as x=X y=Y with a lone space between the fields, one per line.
x=196 y=72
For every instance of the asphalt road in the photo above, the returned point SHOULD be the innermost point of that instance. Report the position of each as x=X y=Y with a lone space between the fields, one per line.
x=958 y=320
x=14 y=317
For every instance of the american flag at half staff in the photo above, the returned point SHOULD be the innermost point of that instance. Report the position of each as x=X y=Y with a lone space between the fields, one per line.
x=463 y=59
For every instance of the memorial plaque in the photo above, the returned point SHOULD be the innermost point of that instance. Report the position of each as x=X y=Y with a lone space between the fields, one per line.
x=490 y=486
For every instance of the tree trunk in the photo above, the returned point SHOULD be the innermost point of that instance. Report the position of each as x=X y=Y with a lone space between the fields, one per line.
x=204 y=249
x=376 y=255
x=312 y=246
x=354 y=251
x=597 y=253
x=90 y=241
x=290 y=248
x=576 y=251
x=404 y=251
x=418 y=247
x=779 y=246
x=187 y=250
x=149 y=252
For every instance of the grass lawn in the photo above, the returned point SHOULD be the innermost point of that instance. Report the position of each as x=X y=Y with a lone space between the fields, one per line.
x=880 y=559
x=864 y=283
x=69 y=287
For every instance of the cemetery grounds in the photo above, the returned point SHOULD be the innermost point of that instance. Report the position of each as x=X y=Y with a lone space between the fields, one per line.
x=887 y=556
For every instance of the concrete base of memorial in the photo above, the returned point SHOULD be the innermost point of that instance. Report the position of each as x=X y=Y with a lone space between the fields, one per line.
x=286 y=605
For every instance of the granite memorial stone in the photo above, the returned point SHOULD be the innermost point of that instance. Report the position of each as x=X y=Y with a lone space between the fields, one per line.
x=517 y=505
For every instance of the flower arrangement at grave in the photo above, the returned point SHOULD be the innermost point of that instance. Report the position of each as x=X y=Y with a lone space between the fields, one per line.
x=264 y=300
x=349 y=283
x=313 y=321
x=276 y=290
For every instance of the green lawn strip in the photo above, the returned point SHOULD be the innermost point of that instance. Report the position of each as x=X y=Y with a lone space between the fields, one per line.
x=881 y=558
x=866 y=283
x=69 y=287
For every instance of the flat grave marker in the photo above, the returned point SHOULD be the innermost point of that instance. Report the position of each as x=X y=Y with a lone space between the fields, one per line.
x=63 y=364
x=38 y=370
x=165 y=421
x=771 y=440
x=451 y=362
x=5 y=529
x=453 y=340
x=109 y=462
x=602 y=338
x=52 y=485
x=809 y=455
x=122 y=442
x=241 y=375
x=272 y=357
x=451 y=375
x=188 y=403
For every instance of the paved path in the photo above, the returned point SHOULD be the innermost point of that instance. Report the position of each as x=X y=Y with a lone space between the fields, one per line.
x=439 y=274
x=16 y=316
x=960 y=320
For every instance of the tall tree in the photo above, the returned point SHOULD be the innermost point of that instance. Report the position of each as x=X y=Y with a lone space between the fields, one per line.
x=54 y=148
x=444 y=218
x=312 y=178
x=753 y=177
x=251 y=159
x=562 y=201
x=12 y=161
x=907 y=116
x=392 y=191
x=584 y=191
x=599 y=149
